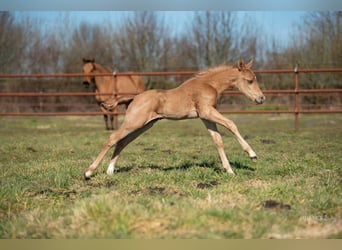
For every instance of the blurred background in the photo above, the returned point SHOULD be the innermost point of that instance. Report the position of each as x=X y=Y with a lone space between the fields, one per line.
x=56 y=41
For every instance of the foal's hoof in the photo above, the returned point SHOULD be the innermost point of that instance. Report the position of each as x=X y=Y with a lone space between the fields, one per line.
x=254 y=159
x=231 y=172
x=86 y=176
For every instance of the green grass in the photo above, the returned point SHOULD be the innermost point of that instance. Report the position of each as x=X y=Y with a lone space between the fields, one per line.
x=169 y=183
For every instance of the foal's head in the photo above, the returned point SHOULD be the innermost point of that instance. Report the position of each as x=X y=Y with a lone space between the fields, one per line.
x=88 y=68
x=247 y=82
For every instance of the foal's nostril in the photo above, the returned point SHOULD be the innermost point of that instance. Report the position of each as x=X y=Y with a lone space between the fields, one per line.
x=260 y=99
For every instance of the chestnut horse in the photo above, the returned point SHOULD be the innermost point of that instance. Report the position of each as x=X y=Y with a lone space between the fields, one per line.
x=118 y=85
x=195 y=98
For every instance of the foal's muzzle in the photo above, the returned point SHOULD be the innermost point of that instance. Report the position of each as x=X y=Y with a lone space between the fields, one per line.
x=260 y=99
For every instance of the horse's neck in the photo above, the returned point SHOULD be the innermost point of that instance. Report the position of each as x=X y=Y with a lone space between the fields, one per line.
x=222 y=81
x=102 y=82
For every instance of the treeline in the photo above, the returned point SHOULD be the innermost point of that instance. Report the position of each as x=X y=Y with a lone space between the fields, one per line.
x=144 y=41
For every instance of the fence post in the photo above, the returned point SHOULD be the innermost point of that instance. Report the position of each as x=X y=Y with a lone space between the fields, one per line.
x=116 y=116
x=296 y=88
x=41 y=103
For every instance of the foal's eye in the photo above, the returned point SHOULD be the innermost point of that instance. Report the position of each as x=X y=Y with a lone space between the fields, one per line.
x=250 y=81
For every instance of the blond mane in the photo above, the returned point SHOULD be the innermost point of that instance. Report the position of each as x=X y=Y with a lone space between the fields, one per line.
x=213 y=70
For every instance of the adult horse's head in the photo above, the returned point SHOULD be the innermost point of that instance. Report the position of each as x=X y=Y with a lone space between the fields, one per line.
x=247 y=82
x=88 y=68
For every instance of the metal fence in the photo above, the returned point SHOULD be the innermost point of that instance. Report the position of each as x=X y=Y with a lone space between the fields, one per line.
x=294 y=108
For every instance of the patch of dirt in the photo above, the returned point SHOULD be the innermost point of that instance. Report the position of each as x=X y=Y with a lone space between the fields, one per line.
x=248 y=137
x=31 y=149
x=53 y=191
x=207 y=185
x=267 y=141
x=156 y=191
x=272 y=204
x=101 y=184
x=148 y=149
x=167 y=151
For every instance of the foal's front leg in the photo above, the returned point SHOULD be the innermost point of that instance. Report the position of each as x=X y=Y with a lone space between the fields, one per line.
x=212 y=129
x=213 y=115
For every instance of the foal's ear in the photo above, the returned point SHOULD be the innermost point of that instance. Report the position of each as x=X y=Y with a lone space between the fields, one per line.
x=88 y=61
x=250 y=64
x=241 y=65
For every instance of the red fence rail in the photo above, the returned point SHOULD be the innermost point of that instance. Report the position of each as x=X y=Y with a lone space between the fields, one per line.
x=296 y=91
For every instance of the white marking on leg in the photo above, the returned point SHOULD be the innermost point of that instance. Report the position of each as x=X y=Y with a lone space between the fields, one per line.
x=252 y=154
x=110 y=169
x=87 y=174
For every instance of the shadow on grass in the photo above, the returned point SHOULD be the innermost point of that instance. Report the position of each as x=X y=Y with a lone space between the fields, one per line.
x=238 y=165
x=188 y=165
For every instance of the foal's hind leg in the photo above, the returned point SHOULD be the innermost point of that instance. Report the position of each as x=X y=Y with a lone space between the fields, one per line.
x=124 y=142
x=112 y=140
x=122 y=137
x=212 y=129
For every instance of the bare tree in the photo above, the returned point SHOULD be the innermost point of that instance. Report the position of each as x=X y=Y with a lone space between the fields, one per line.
x=220 y=36
x=90 y=41
x=316 y=43
x=319 y=39
x=143 y=42
x=43 y=52
x=184 y=56
x=212 y=37
x=12 y=43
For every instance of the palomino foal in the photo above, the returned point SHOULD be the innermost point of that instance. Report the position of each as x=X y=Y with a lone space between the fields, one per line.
x=195 y=98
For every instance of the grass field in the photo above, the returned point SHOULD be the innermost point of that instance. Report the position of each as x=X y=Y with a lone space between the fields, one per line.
x=169 y=183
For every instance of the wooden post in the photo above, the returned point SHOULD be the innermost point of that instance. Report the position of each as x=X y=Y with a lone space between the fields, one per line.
x=41 y=102
x=116 y=116
x=297 y=104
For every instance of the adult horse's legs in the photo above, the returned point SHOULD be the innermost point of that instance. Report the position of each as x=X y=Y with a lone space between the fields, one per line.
x=105 y=118
x=111 y=122
x=211 y=114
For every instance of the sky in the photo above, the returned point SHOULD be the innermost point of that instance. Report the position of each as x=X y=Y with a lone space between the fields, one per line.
x=274 y=24
x=171 y=5
x=276 y=18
